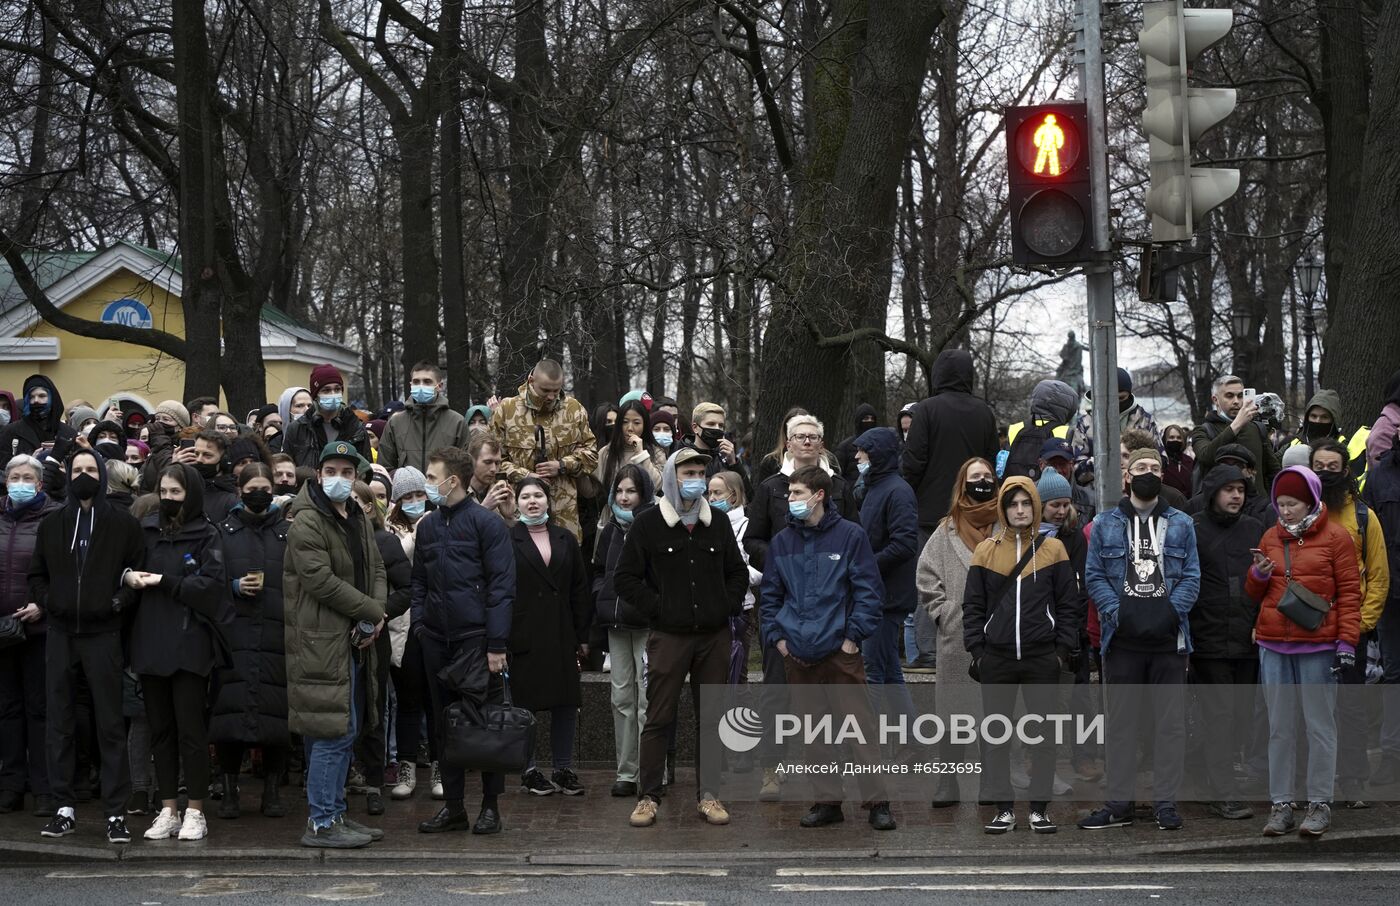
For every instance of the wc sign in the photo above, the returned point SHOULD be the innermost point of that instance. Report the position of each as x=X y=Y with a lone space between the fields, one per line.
x=128 y=313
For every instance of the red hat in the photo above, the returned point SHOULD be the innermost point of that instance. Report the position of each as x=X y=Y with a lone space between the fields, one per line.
x=1294 y=485
x=322 y=375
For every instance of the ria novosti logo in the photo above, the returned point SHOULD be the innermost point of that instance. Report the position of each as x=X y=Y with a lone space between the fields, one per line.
x=740 y=729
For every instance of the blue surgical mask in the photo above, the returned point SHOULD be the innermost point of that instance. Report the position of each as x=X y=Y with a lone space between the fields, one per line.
x=424 y=394
x=623 y=517
x=800 y=509
x=337 y=489
x=4 y=417
x=540 y=519
x=330 y=403
x=694 y=488
x=415 y=508
x=723 y=506
x=435 y=494
x=862 y=467
x=662 y=439
x=21 y=492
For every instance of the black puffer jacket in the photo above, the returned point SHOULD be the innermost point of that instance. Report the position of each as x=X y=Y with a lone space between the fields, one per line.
x=306 y=436
x=949 y=428
x=251 y=702
x=398 y=570
x=613 y=611
x=1223 y=619
x=768 y=513
x=19 y=533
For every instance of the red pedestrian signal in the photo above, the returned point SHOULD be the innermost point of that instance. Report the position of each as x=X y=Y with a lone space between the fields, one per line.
x=1049 y=178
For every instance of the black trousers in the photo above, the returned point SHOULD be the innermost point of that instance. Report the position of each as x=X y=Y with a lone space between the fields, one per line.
x=1226 y=716
x=1151 y=685
x=1353 y=725
x=274 y=758
x=411 y=687
x=175 y=707
x=437 y=654
x=99 y=659
x=1037 y=678
x=372 y=745
x=22 y=718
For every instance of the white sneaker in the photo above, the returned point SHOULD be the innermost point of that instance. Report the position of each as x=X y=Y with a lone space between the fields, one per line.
x=607 y=662
x=194 y=827
x=408 y=780
x=437 y=782
x=166 y=825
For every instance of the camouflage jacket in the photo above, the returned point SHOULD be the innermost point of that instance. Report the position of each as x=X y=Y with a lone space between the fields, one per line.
x=567 y=438
x=1081 y=435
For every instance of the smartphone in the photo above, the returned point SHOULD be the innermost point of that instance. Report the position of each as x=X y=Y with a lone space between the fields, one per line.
x=1257 y=551
x=186 y=443
x=1249 y=393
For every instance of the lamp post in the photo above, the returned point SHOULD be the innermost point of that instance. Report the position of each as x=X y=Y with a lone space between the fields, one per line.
x=1200 y=371
x=1241 y=326
x=1309 y=272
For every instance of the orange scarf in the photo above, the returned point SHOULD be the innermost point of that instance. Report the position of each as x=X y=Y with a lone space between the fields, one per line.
x=973 y=521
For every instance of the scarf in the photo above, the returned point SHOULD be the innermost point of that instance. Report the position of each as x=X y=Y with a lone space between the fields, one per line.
x=1299 y=529
x=973 y=521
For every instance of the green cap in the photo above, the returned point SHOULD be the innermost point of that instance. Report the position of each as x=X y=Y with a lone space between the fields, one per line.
x=343 y=449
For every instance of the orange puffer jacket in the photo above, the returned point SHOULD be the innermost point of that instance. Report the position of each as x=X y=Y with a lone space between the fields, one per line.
x=1324 y=560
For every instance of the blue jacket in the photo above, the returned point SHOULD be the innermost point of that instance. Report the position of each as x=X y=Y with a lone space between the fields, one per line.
x=1107 y=563
x=463 y=575
x=820 y=587
x=889 y=513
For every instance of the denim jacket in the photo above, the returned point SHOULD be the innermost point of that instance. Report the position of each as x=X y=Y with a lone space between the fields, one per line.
x=1107 y=564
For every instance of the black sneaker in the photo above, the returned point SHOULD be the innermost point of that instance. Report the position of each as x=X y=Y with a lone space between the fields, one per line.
x=116 y=830
x=1104 y=818
x=533 y=781
x=139 y=803
x=374 y=802
x=625 y=789
x=1003 y=822
x=10 y=801
x=566 y=782
x=44 y=807
x=1168 y=819
x=60 y=826
x=1041 y=823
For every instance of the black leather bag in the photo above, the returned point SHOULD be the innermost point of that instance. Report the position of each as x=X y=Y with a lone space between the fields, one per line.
x=487 y=737
x=1300 y=604
x=11 y=632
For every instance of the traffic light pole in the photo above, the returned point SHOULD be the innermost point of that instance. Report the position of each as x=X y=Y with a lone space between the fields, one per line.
x=1103 y=331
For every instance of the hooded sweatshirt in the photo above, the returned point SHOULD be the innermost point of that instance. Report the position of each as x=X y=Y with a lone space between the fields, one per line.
x=27 y=433
x=949 y=428
x=284 y=405
x=1223 y=618
x=14 y=413
x=889 y=513
x=1053 y=404
x=1041 y=610
x=866 y=418
x=1329 y=401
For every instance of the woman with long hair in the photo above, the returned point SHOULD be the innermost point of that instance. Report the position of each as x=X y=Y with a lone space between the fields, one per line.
x=632 y=443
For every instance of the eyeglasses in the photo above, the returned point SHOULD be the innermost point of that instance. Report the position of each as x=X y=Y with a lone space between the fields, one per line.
x=805 y=438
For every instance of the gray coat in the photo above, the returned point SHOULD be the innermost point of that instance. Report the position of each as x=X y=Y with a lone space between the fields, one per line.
x=942 y=580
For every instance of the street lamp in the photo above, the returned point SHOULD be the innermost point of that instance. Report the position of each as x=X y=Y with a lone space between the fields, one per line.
x=1200 y=369
x=1309 y=272
x=1241 y=326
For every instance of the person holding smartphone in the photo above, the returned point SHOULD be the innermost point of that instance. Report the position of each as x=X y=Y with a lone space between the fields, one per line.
x=1231 y=421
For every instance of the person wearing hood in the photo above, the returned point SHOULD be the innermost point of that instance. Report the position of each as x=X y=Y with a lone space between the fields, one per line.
x=9 y=409
x=209 y=457
x=1130 y=415
x=681 y=568
x=85 y=560
x=1256 y=504
x=768 y=511
x=544 y=433
x=1144 y=575
x=22 y=717
x=1298 y=665
x=632 y=494
x=291 y=405
x=949 y=428
x=1021 y=616
x=328 y=420
x=478 y=418
x=426 y=423
x=866 y=418
x=889 y=513
x=1382 y=434
x=41 y=423
x=906 y=419
x=1321 y=420
x=1382 y=496
x=177 y=640
x=1224 y=659
x=1053 y=404
x=1178 y=465
x=818 y=619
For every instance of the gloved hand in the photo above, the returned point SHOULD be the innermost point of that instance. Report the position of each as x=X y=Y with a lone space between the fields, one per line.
x=1343 y=663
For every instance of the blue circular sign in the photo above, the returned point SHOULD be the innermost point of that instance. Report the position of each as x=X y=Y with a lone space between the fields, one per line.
x=128 y=313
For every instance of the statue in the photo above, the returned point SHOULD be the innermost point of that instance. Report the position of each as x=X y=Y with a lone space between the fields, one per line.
x=1071 y=369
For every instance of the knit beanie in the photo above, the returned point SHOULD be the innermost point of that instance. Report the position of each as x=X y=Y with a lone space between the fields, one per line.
x=1125 y=381
x=407 y=480
x=1298 y=455
x=1143 y=453
x=663 y=418
x=243 y=448
x=1052 y=486
x=322 y=375
x=1293 y=484
x=177 y=411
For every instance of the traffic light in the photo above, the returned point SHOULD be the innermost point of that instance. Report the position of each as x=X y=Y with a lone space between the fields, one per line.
x=1049 y=169
x=1176 y=115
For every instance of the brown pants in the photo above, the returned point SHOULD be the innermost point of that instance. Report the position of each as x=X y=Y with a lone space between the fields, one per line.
x=670 y=656
x=841 y=669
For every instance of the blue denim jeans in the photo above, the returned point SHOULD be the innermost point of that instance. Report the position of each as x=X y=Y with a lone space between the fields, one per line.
x=881 y=655
x=1287 y=681
x=328 y=762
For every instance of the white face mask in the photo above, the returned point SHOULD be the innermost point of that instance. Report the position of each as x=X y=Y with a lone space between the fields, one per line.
x=4 y=417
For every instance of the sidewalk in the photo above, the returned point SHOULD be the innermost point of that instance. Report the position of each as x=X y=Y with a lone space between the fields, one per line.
x=593 y=830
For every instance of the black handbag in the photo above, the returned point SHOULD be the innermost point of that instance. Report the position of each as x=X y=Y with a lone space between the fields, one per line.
x=487 y=737
x=1299 y=603
x=11 y=631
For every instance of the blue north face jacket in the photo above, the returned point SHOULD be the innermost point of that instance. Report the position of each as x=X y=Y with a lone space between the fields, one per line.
x=820 y=587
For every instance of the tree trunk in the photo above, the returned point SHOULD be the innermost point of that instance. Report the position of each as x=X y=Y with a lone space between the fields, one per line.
x=420 y=266
x=1343 y=98
x=454 y=282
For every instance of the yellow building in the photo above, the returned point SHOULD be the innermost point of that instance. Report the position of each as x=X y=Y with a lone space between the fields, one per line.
x=139 y=287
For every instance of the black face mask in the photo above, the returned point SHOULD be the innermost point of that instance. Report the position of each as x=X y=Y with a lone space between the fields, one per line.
x=284 y=488
x=108 y=450
x=84 y=487
x=257 y=501
x=981 y=491
x=867 y=424
x=1332 y=481
x=170 y=509
x=1175 y=447
x=1316 y=430
x=1125 y=405
x=207 y=470
x=1146 y=487
x=712 y=436
x=38 y=411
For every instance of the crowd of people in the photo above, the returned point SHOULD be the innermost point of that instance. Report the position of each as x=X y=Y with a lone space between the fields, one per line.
x=191 y=600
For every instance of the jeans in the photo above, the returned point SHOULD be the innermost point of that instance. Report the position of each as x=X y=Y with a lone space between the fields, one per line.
x=881 y=655
x=629 y=698
x=22 y=715
x=328 y=761
x=1388 y=630
x=563 y=728
x=1290 y=680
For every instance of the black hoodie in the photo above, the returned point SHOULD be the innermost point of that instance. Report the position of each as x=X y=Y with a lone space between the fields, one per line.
x=949 y=428
x=866 y=418
x=1223 y=618
x=24 y=435
x=86 y=600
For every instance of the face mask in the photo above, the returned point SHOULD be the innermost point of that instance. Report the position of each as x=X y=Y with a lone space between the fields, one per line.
x=415 y=509
x=539 y=519
x=39 y=411
x=862 y=467
x=723 y=506
x=712 y=436
x=4 y=417
x=109 y=450
x=84 y=487
x=329 y=403
x=170 y=509
x=1146 y=487
x=693 y=488
x=1316 y=430
x=1125 y=405
x=867 y=424
x=257 y=501
x=981 y=491
x=337 y=489
x=207 y=470
x=1332 y=480
x=663 y=440
x=435 y=494
x=800 y=509
x=284 y=488
x=1174 y=447
x=623 y=517
x=21 y=492
x=423 y=394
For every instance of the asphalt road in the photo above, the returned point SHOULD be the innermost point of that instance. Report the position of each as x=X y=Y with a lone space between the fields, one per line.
x=1195 y=882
